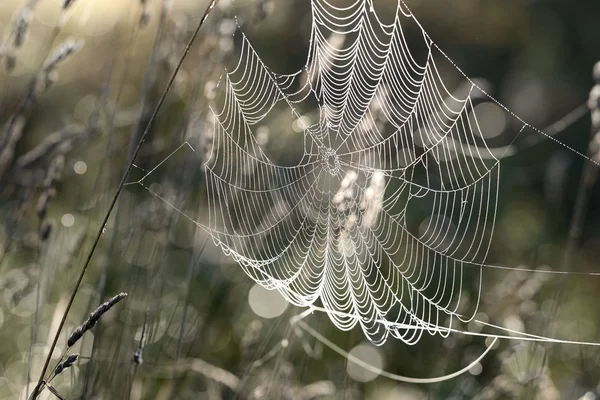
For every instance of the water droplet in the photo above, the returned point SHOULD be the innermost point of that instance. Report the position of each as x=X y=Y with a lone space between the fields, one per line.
x=67 y=220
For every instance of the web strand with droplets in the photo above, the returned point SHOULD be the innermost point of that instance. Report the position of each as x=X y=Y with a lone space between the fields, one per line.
x=390 y=143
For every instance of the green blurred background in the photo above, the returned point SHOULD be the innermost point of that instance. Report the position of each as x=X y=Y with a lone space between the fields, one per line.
x=535 y=57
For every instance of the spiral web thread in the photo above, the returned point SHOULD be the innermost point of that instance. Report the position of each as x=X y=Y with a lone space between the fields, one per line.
x=336 y=231
x=334 y=227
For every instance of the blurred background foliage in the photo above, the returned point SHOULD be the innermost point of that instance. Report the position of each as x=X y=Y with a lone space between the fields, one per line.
x=210 y=332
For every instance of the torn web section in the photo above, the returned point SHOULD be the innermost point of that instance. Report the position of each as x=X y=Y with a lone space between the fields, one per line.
x=262 y=214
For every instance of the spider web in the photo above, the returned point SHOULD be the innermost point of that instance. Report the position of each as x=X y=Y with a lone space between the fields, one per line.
x=390 y=145
x=334 y=227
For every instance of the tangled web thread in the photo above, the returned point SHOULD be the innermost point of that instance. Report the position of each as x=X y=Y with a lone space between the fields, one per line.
x=391 y=144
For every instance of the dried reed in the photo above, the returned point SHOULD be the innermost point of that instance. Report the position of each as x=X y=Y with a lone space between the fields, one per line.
x=94 y=318
x=70 y=360
x=113 y=202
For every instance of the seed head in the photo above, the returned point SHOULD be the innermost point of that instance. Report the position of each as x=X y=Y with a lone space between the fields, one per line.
x=10 y=61
x=22 y=27
x=46 y=230
x=70 y=360
x=67 y=4
x=65 y=50
x=93 y=318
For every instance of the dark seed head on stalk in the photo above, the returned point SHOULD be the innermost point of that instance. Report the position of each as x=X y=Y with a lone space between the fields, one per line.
x=46 y=230
x=144 y=18
x=55 y=171
x=67 y=4
x=10 y=61
x=93 y=318
x=137 y=355
x=70 y=360
x=44 y=202
x=64 y=51
x=136 y=151
x=22 y=27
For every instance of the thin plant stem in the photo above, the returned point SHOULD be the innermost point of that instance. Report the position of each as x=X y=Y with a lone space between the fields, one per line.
x=113 y=202
x=110 y=128
x=193 y=260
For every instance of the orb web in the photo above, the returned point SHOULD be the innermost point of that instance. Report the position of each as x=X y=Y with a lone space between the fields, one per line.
x=390 y=140
x=387 y=217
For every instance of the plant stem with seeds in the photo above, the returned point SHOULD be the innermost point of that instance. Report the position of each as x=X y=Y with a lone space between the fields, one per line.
x=113 y=202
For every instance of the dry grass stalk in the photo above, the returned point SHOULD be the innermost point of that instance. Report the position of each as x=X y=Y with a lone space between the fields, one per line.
x=55 y=392
x=10 y=60
x=210 y=371
x=49 y=145
x=70 y=360
x=53 y=176
x=137 y=355
x=67 y=4
x=594 y=106
x=93 y=318
x=9 y=140
x=17 y=36
x=49 y=75
x=229 y=380
x=44 y=202
x=249 y=346
x=67 y=48
x=55 y=171
x=145 y=16
x=46 y=230
x=13 y=129
x=22 y=27
x=79 y=331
